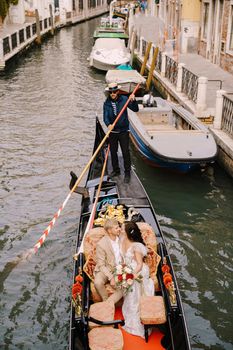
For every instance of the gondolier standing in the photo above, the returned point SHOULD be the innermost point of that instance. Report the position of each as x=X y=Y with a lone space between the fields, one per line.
x=120 y=134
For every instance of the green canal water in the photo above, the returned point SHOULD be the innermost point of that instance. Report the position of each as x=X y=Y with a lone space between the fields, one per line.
x=48 y=102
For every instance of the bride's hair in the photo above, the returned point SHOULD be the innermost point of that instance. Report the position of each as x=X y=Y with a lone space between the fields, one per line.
x=133 y=232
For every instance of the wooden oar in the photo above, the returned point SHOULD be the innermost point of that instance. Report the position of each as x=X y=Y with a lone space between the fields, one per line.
x=57 y=214
x=92 y=216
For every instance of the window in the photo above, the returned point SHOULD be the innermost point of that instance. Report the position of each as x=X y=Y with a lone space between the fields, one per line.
x=205 y=19
x=80 y=6
x=231 y=29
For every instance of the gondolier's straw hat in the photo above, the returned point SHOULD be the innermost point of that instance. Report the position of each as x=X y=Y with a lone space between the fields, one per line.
x=112 y=87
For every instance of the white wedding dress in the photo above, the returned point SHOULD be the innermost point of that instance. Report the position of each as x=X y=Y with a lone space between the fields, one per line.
x=130 y=308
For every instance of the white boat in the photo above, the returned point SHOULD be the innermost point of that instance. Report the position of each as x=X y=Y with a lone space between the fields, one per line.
x=108 y=53
x=168 y=136
x=127 y=79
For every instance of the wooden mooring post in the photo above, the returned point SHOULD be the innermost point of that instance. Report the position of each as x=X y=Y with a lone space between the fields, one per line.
x=38 y=35
x=51 y=18
x=132 y=47
x=143 y=67
x=152 y=67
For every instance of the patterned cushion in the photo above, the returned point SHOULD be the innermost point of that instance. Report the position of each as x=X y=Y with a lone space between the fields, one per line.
x=152 y=258
x=152 y=310
x=92 y=238
x=89 y=266
x=103 y=311
x=148 y=235
x=105 y=338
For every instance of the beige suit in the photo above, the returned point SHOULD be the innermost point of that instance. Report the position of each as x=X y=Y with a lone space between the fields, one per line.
x=105 y=263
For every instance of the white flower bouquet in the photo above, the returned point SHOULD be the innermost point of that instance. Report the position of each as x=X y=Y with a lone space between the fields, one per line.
x=124 y=277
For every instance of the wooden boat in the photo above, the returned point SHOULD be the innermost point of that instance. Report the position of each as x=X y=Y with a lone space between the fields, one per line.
x=127 y=79
x=168 y=136
x=132 y=197
x=108 y=53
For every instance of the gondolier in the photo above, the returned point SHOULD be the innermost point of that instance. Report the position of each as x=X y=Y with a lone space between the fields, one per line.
x=120 y=134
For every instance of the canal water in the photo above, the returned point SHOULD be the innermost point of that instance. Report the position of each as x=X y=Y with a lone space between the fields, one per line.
x=48 y=102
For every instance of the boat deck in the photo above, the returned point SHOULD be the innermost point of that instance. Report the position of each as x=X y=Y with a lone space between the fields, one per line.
x=127 y=191
x=132 y=342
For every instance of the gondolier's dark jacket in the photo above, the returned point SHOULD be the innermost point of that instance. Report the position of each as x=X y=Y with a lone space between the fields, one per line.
x=123 y=123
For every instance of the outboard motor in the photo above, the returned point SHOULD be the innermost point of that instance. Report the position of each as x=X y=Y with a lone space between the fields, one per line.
x=148 y=101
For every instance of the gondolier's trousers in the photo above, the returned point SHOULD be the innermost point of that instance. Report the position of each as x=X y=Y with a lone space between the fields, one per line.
x=122 y=138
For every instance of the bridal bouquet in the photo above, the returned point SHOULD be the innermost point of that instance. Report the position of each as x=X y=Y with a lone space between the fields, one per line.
x=124 y=277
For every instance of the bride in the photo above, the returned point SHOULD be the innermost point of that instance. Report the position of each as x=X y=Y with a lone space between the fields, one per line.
x=133 y=251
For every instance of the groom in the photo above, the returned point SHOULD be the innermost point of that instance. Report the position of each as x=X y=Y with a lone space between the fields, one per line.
x=107 y=257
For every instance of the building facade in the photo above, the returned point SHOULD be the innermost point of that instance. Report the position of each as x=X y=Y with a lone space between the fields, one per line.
x=216 y=32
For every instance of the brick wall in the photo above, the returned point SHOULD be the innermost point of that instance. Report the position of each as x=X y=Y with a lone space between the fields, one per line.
x=226 y=60
x=202 y=48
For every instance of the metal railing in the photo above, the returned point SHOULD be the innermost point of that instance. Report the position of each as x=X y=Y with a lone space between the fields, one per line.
x=189 y=84
x=217 y=81
x=171 y=70
x=6 y=45
x=28 y=32
x=23 y=35
x=144 y=45
x=227 y=115
x=159 y=61
x=14 y=42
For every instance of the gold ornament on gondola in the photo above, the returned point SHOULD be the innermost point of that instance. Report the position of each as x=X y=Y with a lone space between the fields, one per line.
x=110 y=212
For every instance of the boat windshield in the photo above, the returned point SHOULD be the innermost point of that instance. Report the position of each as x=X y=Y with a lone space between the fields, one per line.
x=109 y=44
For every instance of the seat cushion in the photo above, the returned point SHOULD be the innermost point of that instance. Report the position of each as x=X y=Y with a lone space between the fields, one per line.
x=152 y=310
x=105 y=338
x=102 y=311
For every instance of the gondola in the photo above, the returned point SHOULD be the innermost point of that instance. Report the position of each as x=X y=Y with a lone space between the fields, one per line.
x=172 y=334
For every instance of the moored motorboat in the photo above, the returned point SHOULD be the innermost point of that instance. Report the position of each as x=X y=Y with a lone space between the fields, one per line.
x=127 y=79
x=108 y=53
x=108 y=198
x=168 y=136
x=111 y=28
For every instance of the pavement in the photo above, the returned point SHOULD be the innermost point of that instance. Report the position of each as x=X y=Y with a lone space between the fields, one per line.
x=152 y=29
x=12 y=28
x=204 y=68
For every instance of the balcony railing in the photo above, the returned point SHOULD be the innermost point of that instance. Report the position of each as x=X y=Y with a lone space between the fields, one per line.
x=227 y=115
x=171 y=70
x=189 y=84
x=159 y=61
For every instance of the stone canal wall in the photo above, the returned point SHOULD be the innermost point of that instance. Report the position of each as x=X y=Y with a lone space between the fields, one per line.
x=15 y=38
